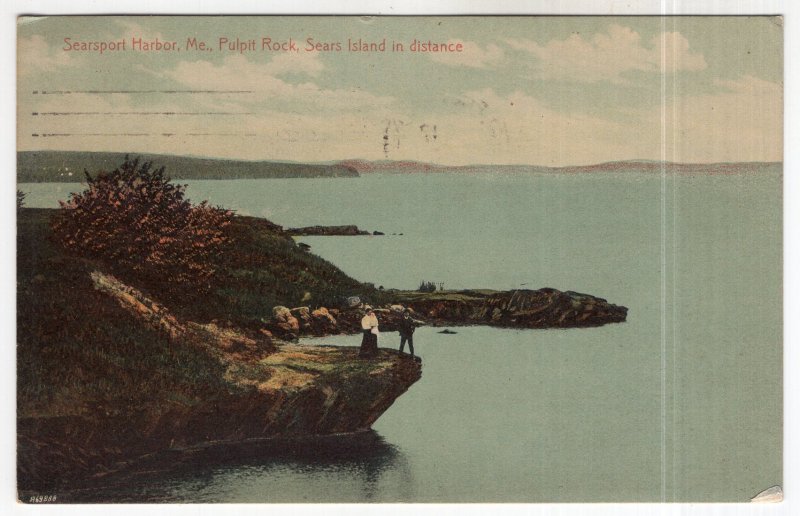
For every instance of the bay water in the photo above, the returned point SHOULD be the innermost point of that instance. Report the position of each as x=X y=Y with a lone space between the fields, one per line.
x=680 y=403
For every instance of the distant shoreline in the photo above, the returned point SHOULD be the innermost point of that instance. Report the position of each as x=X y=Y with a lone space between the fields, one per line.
x=68 y=166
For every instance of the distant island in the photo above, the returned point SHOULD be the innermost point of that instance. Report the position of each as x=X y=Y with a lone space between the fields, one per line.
x=68 y=167
x=363 y=167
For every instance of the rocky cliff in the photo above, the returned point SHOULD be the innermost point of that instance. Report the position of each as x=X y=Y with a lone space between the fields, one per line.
x=272 y=389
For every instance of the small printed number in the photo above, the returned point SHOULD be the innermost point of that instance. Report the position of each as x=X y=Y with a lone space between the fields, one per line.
x=43 y=498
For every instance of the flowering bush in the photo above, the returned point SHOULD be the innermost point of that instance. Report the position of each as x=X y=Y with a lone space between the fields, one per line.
x=136 y=220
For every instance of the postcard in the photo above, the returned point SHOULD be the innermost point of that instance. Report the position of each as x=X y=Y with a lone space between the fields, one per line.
x=381 y=259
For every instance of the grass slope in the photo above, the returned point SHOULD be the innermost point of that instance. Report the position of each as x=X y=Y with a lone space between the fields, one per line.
x=74 y=342
x=266 y=268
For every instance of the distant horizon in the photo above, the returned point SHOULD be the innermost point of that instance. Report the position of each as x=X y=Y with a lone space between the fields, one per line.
x=382 y=161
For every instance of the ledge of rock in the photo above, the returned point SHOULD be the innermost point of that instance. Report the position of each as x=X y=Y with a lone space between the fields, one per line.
x=347 y=230
x=272 y=389
x=543 y=308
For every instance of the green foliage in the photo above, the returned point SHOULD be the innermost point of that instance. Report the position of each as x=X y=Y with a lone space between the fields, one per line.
x=76 y=344
x=266 y=268
x=135 y=220
x=77 y=347
x=427 y=286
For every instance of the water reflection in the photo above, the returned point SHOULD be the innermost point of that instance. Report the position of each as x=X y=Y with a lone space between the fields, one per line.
x=351 y=467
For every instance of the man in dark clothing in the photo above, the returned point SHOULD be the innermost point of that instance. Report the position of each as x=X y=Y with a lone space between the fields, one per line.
x=406 y=327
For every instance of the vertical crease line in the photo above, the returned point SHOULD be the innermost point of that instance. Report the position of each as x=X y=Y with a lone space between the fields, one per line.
x=663 y=254
x=674 y=264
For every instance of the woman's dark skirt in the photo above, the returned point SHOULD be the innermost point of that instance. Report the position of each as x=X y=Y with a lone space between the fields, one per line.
x=369 y=344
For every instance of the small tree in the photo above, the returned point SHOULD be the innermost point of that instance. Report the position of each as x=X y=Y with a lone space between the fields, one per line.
x=427 y=286
x=21 y=198
x=136 y=220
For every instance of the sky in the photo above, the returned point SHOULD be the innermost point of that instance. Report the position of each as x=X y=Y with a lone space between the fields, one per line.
x=551 y=91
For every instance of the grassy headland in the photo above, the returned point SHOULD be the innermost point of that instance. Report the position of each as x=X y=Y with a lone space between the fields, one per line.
x=264 y=268
x=108 y=372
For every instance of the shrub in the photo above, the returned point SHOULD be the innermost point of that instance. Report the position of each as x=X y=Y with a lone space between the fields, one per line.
x=427 y=286
x=137 y=221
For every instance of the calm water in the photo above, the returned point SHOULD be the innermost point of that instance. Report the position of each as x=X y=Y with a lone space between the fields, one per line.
x=682 y=402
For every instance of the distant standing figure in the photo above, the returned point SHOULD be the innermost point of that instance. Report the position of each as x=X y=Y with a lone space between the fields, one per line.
x=369 y=327
x=407 y=327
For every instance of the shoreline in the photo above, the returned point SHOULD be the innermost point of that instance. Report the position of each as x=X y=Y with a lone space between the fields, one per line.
x=170 y=372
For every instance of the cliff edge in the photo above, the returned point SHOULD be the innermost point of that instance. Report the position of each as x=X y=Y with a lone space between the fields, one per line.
x=261 y=389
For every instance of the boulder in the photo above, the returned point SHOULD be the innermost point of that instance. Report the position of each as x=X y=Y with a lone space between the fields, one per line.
x=322 y=322
x=348 y=321
x=303 y=316
x=284 y=321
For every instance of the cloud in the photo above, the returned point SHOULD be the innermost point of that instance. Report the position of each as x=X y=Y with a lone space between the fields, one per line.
x=279 y=120
x=741 y=122
x=265 y=81
x=307 y=63
x=607 y=56
x=484 y=126
x=134 y=30
x=37 y=56
x=473 y=55
x=293 y=115
x=751 y=85
x=487 y=127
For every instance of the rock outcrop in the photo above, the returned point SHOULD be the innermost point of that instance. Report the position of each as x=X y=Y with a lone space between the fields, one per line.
x=322 y=322
x=274 y=389
x=285 y=321
x=543 y=308
x=347 y=230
